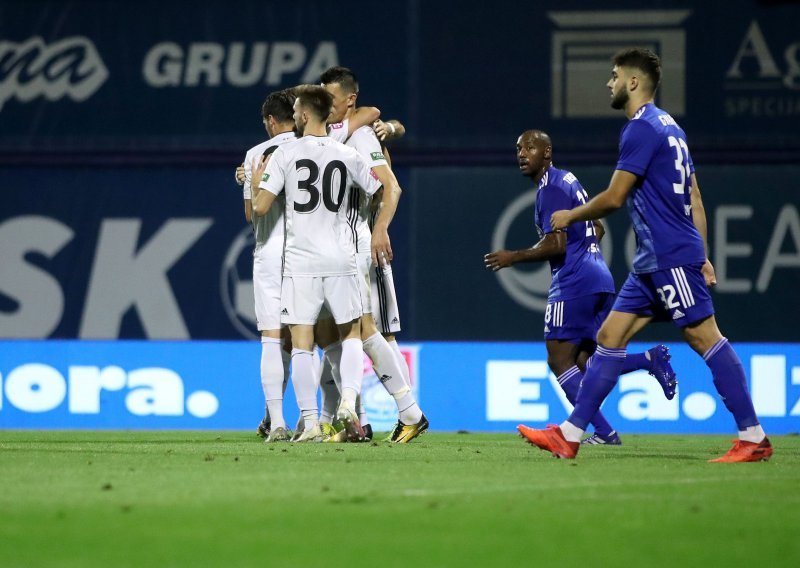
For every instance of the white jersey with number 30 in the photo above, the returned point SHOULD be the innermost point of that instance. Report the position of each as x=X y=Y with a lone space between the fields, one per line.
x=315 y=172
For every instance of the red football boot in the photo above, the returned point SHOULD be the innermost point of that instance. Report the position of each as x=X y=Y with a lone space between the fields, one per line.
x=550 y=440
x=747 y=452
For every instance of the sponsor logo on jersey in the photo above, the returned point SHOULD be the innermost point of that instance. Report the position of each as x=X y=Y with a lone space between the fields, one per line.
x=377 y=156
x=284 y=312
x=265 y=177
x=69 y=67
x=677 y=314
x=337 y=125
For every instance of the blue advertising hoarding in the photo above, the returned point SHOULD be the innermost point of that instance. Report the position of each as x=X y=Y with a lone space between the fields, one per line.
x=460 y=386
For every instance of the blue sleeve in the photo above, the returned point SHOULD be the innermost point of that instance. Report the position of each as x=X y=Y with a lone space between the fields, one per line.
x=637 y=146
x=550 y=200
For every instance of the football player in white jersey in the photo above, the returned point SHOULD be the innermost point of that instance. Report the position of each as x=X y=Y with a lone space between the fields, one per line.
x=380 y=302
x=320 y=265
x=277 y=116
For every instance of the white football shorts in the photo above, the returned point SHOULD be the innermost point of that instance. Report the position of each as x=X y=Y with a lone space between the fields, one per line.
x=364 y=260
x=302 y=298
x=267 y=268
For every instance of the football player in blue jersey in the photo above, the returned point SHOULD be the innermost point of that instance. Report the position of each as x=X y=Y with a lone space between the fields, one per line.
x=582 y=290
x=671 y=272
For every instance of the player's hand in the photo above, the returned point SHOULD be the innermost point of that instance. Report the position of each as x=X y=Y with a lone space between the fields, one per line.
x=709 y=274
x=382 y=129
x=258 y=168
x=381 y=247
x=239 y=175
x=560 y=220
x=499 y=259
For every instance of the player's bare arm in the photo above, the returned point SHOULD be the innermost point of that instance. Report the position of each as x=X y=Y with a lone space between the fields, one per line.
x=389 y=130
x=699 y=219
x=600 y=205
x=381 y=245
x=552 y=245
x=262 y=200
x=363 y=116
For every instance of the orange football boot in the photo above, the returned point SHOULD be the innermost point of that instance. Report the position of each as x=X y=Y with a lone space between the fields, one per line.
x=747 y=452
x=550 y=440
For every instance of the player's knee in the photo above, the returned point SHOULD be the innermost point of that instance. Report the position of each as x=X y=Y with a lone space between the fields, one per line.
x=609 y=338
x=559 y=364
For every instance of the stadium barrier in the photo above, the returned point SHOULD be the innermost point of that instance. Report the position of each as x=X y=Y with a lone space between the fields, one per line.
x=461 y=386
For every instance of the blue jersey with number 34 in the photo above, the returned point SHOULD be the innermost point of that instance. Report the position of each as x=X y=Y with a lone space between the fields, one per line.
x=653 y=147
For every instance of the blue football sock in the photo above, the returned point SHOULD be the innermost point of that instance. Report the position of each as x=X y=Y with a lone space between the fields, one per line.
x=570 y=382
x=731 y=383
x=600 y=378
x=635 y=362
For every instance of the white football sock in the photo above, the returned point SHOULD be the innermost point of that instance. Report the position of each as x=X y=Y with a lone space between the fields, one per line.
x=286 y=357
x=272 y=380
x=316 y=364
x=331 y=357
x=352 y=371
x=401 y=361
x=386 y=366
x=571 y=432
x=362 y=414
x=305 y=386
x=752 y=434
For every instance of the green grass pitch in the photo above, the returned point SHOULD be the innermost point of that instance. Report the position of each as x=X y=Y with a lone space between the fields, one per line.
x=111 y=499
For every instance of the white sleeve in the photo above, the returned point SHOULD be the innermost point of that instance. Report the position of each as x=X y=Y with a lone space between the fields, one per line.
x=339 y=130
x=363 y=175
x=248 y=174
x=274 y=177
x=366 y=143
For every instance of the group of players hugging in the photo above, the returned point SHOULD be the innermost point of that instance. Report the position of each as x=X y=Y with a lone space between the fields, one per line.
x=320 y=195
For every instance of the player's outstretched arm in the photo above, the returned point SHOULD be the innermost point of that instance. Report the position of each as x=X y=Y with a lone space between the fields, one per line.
x=362 y=116
x=381 y=245
x=552 y=245
x=600 y=205
x=389 y=130
x=699 y=219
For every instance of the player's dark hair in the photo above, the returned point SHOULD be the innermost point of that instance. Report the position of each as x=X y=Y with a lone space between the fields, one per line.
x=342 y=75
x=316 y=99
x=280 y=105
x=643 y=59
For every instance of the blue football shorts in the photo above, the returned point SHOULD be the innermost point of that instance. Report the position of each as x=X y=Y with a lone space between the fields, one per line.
x=679 y=295
x=577 y=319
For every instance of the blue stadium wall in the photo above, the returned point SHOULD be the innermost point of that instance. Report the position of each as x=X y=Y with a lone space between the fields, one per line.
x=121 y=223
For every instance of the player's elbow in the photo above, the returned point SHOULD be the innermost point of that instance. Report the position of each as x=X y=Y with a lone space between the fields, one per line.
x=615 y=201
x=373 y=113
